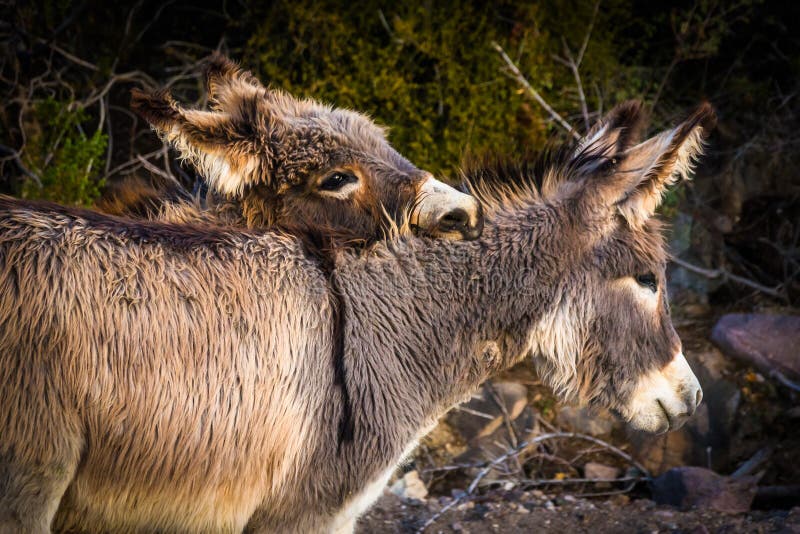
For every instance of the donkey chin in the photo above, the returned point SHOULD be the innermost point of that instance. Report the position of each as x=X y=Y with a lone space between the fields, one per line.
x=664 y=399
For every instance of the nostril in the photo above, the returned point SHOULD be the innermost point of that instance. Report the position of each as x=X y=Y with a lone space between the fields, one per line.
x=457 y=219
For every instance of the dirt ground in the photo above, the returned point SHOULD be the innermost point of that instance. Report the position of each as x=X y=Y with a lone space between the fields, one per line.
x=533 y=511
x=761 y=418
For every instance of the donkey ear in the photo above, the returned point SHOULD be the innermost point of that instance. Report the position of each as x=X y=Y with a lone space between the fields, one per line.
x=210 y=140
x=619 y=130
x=227 y=84
x=648 y=169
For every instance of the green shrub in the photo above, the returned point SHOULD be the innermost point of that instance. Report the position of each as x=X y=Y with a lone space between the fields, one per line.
x=66 y=160
x=427 y=70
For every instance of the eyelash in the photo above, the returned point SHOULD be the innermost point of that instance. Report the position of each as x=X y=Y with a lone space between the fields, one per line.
x=647 y=280
x=336 y=181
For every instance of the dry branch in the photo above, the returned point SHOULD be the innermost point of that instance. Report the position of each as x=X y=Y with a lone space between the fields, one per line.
x=518 y=76
x=775 y=292
x=515 y=451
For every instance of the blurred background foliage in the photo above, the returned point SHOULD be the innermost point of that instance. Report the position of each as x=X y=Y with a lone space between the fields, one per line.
x=427 y=70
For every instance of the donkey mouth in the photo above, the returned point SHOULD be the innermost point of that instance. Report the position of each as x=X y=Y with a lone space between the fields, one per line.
x=669 y=423
x=466 y=233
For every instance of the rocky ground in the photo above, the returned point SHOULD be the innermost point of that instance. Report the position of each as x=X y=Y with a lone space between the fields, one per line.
x=474 y=472
x=532 y=511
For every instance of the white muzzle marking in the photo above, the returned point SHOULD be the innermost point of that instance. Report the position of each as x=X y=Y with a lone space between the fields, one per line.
x=665 y=398
x=444 y=211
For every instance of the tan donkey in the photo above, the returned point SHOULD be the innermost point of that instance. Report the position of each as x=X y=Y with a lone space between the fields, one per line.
x=160 y=377
x=272 y=160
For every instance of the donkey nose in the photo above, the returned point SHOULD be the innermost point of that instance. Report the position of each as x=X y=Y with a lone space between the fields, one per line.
x=694 y=398
x=445 y=212
x=454 y=221
x=458 y=220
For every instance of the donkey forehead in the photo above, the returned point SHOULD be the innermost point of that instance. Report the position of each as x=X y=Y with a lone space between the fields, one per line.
x=308 y=150
x=345 y=130
x=315 y=118
x=628 y=251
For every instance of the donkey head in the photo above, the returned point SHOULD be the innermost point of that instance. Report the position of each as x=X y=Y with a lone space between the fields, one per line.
x=608 y=338
x=304 y=165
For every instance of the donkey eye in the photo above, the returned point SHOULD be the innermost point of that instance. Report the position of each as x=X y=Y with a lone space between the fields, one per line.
x=336 y=181
x=647 y=280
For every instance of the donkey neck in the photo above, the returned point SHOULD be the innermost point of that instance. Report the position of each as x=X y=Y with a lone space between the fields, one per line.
x=428 y=321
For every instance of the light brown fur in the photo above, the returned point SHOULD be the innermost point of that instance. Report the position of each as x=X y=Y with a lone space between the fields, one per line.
x=269 y=159
x=161 y=377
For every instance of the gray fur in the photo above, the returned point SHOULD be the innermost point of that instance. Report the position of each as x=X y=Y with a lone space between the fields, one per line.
x=264 y=155
x=160 y=377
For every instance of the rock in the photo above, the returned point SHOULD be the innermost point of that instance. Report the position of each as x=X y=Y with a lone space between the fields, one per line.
x=768 y=342
x=696 y=487
x=691 y=240
x=410 y=487
x=483 y=414
x=598 y=471
x=586 y=421
x=705 y=439
x=444 y=442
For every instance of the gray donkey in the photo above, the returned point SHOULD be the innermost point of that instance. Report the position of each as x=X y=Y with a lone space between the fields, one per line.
x=273 y=160
x=159 y=377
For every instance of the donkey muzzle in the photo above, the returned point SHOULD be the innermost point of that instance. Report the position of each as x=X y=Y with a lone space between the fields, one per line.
x=664 y=399
x=442 y=211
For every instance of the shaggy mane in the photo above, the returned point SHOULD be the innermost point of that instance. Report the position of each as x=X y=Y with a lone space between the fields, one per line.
x=505 y=182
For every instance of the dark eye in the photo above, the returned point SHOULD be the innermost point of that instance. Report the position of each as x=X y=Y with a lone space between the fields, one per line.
x=336 y=181
x=647 y=280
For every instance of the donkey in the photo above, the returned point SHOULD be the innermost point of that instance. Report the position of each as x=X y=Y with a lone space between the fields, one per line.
x=175 y=378
x=272 y=160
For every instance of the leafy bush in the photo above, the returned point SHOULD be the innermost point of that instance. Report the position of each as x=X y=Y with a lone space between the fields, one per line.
x=63 y=156
x=426 y=69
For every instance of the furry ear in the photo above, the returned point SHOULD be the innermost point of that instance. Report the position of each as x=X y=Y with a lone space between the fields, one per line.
x=615 y=133
x=212 y=141
x=648 y=169
x=227 y=84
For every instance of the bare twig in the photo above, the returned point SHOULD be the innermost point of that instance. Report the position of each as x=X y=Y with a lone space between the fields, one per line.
x=533 y=483
x=519 y=449
x=506 y=416
x=153 y=19
x=780 y=377
x=517 y=75
x=133 y=162
x=572 y=65
x=110 y=141
x=155 y=170
x=75 y=59
x=664 y=79
x=388 y=28
x=725 y=276
x=14 y=155
x=585 y=44
x=761 y=456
